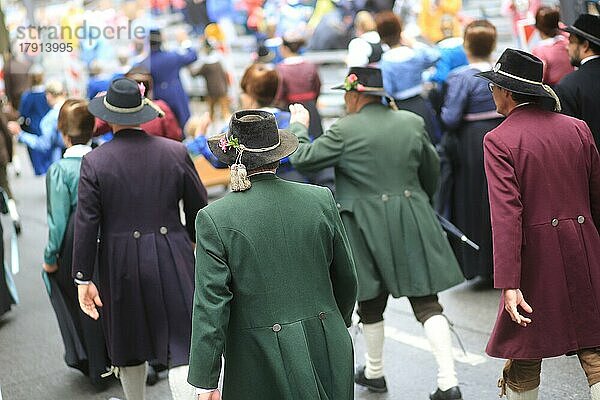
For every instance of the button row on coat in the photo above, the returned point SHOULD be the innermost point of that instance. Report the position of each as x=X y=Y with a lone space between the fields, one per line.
x=580 y=219
x=277 y=327
x=163 y=230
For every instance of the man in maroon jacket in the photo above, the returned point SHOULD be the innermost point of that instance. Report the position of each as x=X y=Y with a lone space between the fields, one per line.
x=543 y=172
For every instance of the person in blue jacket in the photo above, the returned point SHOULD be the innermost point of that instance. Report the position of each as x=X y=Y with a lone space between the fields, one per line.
x=32 y=108
x=49 y=141
x=164 y=67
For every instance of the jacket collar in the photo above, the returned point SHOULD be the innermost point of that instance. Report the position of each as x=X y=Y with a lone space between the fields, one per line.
x=263 y=176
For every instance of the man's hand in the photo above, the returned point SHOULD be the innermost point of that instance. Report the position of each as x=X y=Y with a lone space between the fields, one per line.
x=89 y=299
x=299 y=114
x=50 y=268
x=14 y=128
x=214 y=395
x=512 y=299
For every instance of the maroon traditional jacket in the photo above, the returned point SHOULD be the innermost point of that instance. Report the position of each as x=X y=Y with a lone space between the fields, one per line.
x=543 y=173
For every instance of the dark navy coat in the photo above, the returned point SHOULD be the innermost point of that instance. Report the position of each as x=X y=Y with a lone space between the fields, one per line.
x=164 y=67
x=128 y=197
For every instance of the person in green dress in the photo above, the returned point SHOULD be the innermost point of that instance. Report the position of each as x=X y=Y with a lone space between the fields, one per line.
x=386 y=172
x=85 y=347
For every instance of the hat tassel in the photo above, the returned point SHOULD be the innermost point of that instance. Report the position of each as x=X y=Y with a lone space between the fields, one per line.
x=239 y=175
x=155 y=107
x=557 y=106
x=239 y=178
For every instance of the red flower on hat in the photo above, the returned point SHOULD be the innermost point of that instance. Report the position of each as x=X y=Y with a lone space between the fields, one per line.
x=360 y=87
x=352 y=78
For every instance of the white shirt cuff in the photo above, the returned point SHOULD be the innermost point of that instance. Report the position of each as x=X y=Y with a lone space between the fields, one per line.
x=79 y=282
x=203 y=391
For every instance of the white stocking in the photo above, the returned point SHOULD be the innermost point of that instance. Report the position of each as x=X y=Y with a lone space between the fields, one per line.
x=437 y=331
x=180 y=388
x=133 y=381
x=528 y=395
x=595 y=390
x=374 y=335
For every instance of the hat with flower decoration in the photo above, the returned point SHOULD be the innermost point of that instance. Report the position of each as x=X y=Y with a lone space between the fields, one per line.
x=252 y=140
x=125 y=104
x=364 y=80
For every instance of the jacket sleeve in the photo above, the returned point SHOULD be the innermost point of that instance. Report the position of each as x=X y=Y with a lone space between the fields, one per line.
x=44 y=141
x=194 y=194
x=212 y=297
x=187 y=57
x=58 y=204
x=429 y=168
x=342 y=271
x=324 y=152
x=88 y=215
x=506 y=213
x=455 y=102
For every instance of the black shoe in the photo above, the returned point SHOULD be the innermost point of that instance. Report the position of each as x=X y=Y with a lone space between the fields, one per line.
x=451 y=394
x=377 y=385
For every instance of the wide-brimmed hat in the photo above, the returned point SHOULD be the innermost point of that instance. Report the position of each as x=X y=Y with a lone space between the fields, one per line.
x=365 y=80
x=253 y=139
x=520 y=72
x=586 y=26
x=124 y=104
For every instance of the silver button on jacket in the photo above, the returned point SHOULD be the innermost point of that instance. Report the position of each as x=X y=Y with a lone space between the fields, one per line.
x=581 y=219
x=136 y=234
x=554 y=222
x=163 y=230
x=276 y=328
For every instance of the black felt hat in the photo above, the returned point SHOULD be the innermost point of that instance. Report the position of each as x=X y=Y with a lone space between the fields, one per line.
x=364 y=80
x=518 y=72
x=255 y=135
x=586 y=26
x=123 y=104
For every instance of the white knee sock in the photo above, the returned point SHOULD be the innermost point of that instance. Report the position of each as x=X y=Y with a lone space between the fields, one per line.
x=133 y=381
x=180 y=388
x=374 y=335
x=529 y=395
x=595 y=390
x=437 y=331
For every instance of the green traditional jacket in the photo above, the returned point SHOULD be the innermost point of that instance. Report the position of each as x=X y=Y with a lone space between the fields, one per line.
x=386 y=171
x=275 y=291
x=62 y=180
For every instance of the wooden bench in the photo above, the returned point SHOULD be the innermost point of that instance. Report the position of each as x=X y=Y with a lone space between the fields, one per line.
x=210 y=175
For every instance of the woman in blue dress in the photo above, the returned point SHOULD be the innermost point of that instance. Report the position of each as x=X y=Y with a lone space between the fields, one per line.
x=32 y=109
x=468 y=114
x=402 y=68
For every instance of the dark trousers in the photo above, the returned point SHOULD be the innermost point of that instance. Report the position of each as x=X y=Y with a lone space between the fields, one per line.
x=371 y=311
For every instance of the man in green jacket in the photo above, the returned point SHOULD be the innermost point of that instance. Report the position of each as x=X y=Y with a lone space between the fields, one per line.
x=275 y=278
x=386 y=171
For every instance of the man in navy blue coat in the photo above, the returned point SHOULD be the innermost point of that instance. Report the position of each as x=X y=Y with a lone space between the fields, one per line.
x=164 y=66
x=128 y=219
